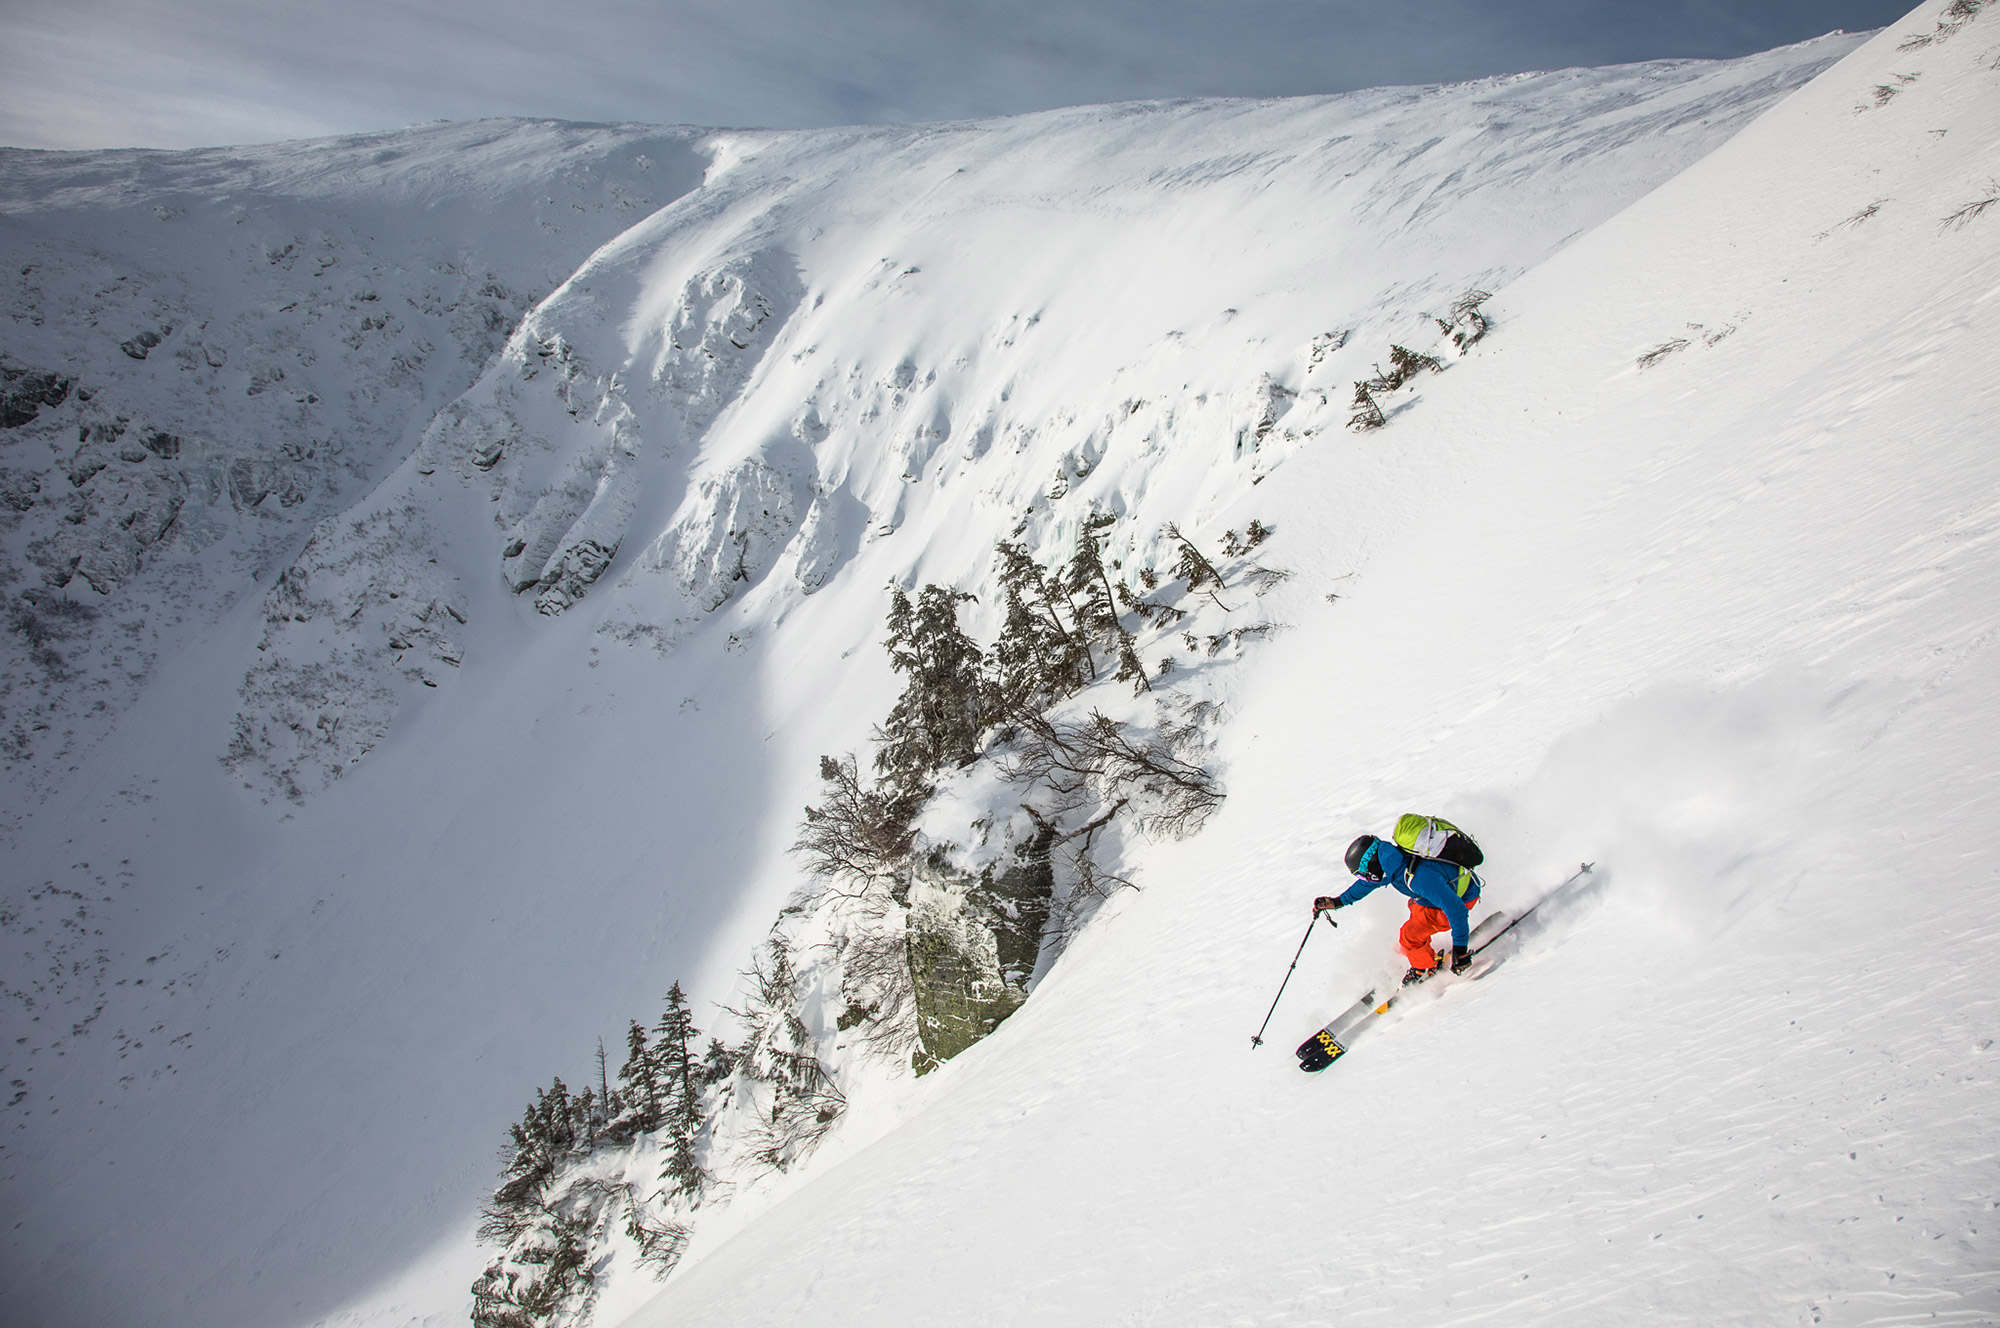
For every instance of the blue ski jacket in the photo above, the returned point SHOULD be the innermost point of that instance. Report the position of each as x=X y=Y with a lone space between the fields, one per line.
x=1432 y=883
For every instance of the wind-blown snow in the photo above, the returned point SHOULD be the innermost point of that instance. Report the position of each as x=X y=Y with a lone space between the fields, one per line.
x=1696 y=621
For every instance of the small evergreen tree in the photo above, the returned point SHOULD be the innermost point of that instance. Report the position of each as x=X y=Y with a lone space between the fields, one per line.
x=1039 y=658
x=718 y=1063
x=1152 y=611
x=1254 y=534
x=1367 y=411
x=1405 y=364
x=1130 y=668
x=551 y=1130
x=936 y=722
x=1087 y=581
x=778 y=1051
x=1465 y=324
x=640 y=1078
x=682 y=1121
x=1198 y=571
x=561 y=1117
x=607 y=1103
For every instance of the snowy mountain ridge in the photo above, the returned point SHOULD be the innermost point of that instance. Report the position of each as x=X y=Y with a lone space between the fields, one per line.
x=661 y=520
x=755 y=327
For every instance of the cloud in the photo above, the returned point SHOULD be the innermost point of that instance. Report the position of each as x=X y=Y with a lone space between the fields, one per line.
x=95 y=73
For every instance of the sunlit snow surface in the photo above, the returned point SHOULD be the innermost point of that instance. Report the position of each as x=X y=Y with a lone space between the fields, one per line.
x=1716 y=624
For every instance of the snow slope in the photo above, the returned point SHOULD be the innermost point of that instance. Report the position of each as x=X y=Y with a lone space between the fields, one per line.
x=331 y=970
x=233 y=344
x=1722 y=625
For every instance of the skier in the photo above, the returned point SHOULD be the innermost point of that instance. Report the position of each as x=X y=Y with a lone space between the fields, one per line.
x=1440 y=895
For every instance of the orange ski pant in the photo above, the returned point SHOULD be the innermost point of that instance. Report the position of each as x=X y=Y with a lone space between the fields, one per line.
x=1415 y=937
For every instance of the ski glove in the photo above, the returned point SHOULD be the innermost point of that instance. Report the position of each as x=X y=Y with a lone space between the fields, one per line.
x=1461 y=958
x=1325 y=904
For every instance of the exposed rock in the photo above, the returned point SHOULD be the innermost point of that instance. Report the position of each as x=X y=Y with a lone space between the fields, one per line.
x=1269 y=400
x=730 y=532
x=955 y=966
x=97 y=447
x=361 y=609
x=973 y=945
x=27 y=392
x=18 y=489
x=574 y=570
x=720 y=328
x=142 y=345
x=42 y=619
x=253 y=479
x=822 y=541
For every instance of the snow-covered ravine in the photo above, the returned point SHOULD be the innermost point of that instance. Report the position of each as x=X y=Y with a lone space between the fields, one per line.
x=521 y=735
x=205 y=353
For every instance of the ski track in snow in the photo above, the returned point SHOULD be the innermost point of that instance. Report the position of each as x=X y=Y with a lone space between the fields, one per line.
x=1718 y=623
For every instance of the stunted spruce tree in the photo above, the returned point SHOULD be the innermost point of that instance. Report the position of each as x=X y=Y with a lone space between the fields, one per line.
x=1089 y=584
x=936 y=722
x=640 y=1080
x=675 y=1048
x=778 y=1051
x=1040 y=658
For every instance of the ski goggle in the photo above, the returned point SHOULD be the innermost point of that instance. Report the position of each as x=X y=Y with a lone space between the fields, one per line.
x=1371 y=864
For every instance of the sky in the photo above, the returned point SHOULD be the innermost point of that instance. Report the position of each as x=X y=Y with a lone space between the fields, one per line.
x=150 y=73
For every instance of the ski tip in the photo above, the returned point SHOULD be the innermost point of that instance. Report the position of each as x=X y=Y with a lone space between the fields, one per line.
x=1319 y=1051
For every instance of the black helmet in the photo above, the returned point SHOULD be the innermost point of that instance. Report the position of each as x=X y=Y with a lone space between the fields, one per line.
x=1362 y=860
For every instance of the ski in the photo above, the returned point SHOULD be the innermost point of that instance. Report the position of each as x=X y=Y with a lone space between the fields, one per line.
x=1330 y=1043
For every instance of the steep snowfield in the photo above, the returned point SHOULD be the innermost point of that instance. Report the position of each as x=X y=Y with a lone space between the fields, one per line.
x=1722 y=625
x=519 y=738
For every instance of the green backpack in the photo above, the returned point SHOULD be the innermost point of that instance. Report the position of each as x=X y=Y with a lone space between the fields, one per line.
x=1434 y=837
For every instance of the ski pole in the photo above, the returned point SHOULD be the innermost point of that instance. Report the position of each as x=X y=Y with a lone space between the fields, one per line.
x=1258 y=1040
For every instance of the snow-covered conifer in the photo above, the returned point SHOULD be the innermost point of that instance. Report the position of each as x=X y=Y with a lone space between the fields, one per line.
x=640 y=1078
x=1405 y=364
x=681 y=1086
x=935 y=724
x=1195 y=568
x=1039 y=658
x=1089 y=584
x=778 y=1052
x=1367 y=411
x=717 y=1063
